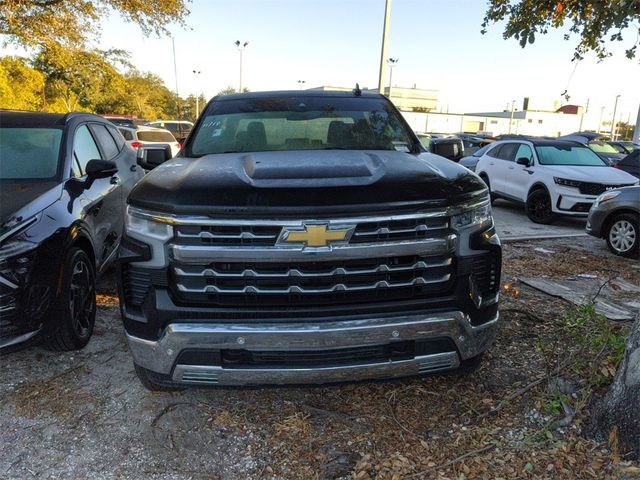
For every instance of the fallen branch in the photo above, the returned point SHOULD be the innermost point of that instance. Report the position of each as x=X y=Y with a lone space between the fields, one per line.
x=167 y=409
x=472 y=453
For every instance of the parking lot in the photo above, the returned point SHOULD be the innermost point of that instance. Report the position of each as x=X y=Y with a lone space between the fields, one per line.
x=85 y=415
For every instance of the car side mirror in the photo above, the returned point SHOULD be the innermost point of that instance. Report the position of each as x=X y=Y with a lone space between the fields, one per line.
x=451 y=148
x=524 y=161
x=100 y=169
x=149 y=157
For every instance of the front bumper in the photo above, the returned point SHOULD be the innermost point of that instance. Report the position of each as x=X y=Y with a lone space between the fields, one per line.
x=163 y=355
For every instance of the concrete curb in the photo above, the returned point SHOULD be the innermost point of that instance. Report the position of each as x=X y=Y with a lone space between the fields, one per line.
x=541 y=237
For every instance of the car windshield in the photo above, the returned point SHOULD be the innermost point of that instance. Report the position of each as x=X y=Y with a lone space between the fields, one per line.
x=152 y=136
x=601 y=147
x=573 y=155
x=300 y=123
x=29 y=153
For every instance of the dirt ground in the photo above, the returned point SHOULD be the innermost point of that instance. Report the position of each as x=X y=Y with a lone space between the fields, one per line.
x=85 y=415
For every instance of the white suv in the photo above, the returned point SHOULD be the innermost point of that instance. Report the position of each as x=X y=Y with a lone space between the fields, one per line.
x=139 y=136
x=550 y=177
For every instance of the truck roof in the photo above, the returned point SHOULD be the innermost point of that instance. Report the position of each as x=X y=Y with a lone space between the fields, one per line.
x=296 y=93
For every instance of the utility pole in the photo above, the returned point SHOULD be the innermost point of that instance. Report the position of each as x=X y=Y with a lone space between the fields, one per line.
x=197 y=75
x=586 y=109
x=383 y=51
x=600 y=121
x=613 y=120
x=513 y=104
x=636 y=131
x=241 y=46
x=391 y=63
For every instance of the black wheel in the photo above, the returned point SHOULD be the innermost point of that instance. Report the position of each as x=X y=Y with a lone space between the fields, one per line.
x=539 y=207
x=470 y=364
x=485 y=179
x=74 y=313
x=623 y=235
x=150 y=381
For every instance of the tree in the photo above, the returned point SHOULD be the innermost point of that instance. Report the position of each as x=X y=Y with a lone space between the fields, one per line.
x=21 y=87
x=37 y=23
x=592 y=21
x=147 y=95
x=229 y=90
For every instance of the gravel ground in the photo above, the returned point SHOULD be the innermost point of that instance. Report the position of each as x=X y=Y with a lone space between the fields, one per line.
x=85 y=415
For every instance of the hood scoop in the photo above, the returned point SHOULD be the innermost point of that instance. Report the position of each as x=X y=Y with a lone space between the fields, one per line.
x=312 y=169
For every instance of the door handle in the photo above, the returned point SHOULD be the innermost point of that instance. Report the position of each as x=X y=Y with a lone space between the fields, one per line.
x=491 y=163
x=511 y=168
x=133 y=168
x=115 y=180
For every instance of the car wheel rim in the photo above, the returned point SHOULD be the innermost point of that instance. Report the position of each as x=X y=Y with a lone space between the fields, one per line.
x=540 y=208
x=622 y=236
x=81 y=298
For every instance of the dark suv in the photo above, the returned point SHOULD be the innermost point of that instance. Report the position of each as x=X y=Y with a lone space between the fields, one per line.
x=63 y=183
x=306 y=237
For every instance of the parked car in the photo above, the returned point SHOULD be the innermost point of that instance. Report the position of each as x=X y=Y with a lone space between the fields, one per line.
x=447 y=147
x=597 y=143
x=472 y=144
x=624 y=147
x=615 y=216
x=471 y=161
x=630 y=163
x=311 y=239
x=63 y=184
x=179 y=128
x=549 y=177
x=130 y=122
x=139 y=136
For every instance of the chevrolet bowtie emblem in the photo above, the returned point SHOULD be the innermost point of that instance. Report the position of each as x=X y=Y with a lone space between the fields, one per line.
x=316 y=235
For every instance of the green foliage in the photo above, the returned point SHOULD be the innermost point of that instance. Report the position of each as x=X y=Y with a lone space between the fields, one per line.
x=74 y=23
x=21 y=87
x=593 y=22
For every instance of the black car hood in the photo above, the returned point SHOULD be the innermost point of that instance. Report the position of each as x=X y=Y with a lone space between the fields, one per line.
x=304 y=181
x=26 y=198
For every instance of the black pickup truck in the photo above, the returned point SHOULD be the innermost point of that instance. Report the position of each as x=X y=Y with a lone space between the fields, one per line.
x=306 y=237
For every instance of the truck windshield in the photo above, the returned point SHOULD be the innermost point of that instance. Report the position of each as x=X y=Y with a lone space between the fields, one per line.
x=300 y=123
x=29 y=153
x=578 y=156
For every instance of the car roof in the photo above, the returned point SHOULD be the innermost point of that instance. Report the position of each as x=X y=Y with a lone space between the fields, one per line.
x=541 y=142
x=19 y=118
x=297 y=93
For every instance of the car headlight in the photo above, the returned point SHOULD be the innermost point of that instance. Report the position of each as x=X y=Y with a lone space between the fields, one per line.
x=143 y=225
x=607 y=196
x=474 y=217
x=566 y=182
x=12 y=242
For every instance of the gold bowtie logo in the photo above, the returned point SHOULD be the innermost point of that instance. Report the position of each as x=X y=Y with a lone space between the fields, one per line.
x=316 y=235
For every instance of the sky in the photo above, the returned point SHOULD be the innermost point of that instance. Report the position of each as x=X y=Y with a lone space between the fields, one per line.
x=337 y=42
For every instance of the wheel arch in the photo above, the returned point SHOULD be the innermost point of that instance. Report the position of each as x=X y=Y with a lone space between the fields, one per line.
x=538 y=186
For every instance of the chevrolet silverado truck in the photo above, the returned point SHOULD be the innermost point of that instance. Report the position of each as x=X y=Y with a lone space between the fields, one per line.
x=306 y=237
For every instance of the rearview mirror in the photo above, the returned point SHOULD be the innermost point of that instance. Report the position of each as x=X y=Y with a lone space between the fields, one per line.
x=524 y=161
x=100 y=169
x=149 y=157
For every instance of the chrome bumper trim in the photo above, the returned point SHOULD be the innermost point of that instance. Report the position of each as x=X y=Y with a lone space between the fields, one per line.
x=8 y=342
x=160 y=356
x=205 y=375
x=206 y=254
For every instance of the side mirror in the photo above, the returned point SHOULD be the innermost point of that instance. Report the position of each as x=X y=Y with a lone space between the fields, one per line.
x=100 y=169
x=451 y=148
x=149 y=157
x=524 y=161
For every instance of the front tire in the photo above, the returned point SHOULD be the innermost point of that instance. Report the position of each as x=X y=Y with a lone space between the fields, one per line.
x=538 y=207
x=74 y=313
x=623 y=235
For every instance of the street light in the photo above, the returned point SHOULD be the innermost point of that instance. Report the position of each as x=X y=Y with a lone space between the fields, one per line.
x=241 y=46
x=197 y=73
x=391 y=62
x=613 y=120
x=301 y=83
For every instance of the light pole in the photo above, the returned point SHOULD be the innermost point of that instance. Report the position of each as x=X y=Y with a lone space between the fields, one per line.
x=383 y=50
x=513 y=104
x=600 y=121
x=391 y=62
x=301 y=84
x=241 y=46
x=197 y=73
x=613 y=120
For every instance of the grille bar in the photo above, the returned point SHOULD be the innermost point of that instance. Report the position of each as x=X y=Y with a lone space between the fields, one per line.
x=299 y=272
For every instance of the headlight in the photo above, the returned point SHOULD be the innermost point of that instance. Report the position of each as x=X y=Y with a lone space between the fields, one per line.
x=607 y=196
x=474 y=217
x=12 y=242
x=140 y=224
x=566 y=182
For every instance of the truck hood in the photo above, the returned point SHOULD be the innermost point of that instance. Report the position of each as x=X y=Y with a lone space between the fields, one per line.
x=24 y=198
x=304 y=181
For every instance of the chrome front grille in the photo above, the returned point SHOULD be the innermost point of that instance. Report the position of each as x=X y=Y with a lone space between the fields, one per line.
x=256 y=263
